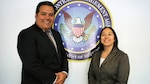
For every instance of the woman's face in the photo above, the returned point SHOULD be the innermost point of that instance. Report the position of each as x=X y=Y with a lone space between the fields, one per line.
x=107 y=38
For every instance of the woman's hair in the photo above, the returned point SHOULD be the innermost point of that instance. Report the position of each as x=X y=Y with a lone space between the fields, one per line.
x=115 y=38
x=48 y=3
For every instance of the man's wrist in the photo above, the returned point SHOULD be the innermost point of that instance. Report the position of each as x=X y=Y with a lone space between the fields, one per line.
x=65 y=72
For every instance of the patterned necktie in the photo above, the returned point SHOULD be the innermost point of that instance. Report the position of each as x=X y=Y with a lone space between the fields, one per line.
x=49 y=34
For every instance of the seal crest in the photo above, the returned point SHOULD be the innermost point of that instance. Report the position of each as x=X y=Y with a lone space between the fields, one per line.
x=79 y=23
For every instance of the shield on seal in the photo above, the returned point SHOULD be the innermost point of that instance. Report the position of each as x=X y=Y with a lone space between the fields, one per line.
x=78 y=29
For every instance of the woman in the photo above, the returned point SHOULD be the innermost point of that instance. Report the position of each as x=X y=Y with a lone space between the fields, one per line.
x=109 y=65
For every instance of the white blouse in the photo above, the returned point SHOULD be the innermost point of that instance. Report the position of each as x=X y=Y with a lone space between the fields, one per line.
x=101 y=61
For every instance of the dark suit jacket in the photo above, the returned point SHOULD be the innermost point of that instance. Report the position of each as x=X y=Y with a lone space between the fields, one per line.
x=40 y=61
x=114 y=69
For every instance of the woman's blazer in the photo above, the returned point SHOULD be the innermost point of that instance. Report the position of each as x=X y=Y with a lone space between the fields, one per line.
x=114 y=69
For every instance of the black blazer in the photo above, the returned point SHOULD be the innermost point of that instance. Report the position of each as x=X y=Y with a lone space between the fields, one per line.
x=39 y=59
x=114 y=69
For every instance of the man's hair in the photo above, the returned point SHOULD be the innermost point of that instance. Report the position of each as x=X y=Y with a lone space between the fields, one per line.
x=48 y=3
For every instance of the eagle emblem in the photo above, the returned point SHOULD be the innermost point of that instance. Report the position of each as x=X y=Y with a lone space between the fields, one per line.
x=78 y=26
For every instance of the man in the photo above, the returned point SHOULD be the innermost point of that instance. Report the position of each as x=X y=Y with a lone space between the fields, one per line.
x=43 y=62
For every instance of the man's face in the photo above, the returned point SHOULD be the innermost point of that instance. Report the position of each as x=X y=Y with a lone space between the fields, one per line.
x=45 y=17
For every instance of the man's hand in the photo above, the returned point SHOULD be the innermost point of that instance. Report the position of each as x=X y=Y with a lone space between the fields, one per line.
x=60 y=77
